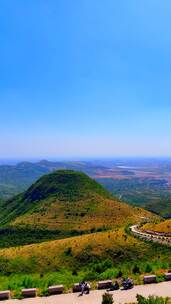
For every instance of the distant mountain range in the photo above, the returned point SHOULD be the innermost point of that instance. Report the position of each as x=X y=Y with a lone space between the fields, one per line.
x=140 y=182
x=17 y=178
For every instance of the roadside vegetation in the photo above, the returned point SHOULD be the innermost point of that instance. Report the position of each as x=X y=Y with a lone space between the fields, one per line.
x=99 y=256
x=152 y=300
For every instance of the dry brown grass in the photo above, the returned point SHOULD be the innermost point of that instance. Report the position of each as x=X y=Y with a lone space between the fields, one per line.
x=164 y=226
x=53 y=251
x=84 y=214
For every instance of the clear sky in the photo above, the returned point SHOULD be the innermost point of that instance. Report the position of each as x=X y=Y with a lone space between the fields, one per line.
x=85 y=78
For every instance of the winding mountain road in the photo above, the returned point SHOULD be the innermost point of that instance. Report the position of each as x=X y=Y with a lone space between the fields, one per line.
x=166 y=240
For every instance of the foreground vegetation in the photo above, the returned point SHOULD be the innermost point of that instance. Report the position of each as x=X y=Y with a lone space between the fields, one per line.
x=99 y=256
x=93 y=273
x=107 y=298
x=152 y=300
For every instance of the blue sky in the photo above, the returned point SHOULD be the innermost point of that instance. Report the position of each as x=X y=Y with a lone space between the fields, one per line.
x=85 y=78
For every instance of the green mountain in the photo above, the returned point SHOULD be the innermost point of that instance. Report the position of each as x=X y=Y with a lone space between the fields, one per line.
x=63 y=185
x=15 y=179
x=64 y=203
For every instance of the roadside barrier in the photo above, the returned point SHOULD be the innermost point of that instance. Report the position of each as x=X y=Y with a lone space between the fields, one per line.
x=59 y=289
x=29 y=293
x=150 y=279
x=104 y=284
x=5 y=295
x=168 y=276
x=56 y=289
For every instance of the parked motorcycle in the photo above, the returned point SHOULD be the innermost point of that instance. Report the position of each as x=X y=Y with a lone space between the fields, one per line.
x=128 y=284
x=115 y=286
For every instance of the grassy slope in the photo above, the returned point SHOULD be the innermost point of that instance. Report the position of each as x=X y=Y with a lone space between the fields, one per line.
x=92 y=257
x=59 y=205
x=164 y=226
x=68 y=200
x=66 y=186
x=83 y=250
x=93 y=213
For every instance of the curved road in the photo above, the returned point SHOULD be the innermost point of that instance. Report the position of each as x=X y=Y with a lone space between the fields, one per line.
x=95 y=297
x=150 y=236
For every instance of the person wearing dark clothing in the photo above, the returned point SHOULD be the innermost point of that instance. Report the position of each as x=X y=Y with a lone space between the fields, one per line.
x=85 y=288
x=115 y=286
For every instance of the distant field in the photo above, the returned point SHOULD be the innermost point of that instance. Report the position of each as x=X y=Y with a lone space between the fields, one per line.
x=151 y=194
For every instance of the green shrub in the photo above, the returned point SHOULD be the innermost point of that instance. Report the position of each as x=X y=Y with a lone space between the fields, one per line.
x=160 y=278
x=119 y=274
x=152 y=300
x=148 y=268
x=108 y=274
x=74 y=272
x=91 y=276
x=136 y=269
x=68 y=251
x=107 y=298
x=101 y=267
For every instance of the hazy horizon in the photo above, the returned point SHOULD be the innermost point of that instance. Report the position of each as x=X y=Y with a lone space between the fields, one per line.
x=15 y=161
x=85 y=79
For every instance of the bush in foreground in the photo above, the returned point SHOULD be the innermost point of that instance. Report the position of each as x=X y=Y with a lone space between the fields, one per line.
x=152 y=300
x=107 y=298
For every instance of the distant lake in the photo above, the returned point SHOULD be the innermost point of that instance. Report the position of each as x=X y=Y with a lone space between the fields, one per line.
x=128 y=167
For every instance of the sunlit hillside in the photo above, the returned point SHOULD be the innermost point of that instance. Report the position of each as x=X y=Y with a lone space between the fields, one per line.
x=80 y=252
x=69 y=200
x=163 y=226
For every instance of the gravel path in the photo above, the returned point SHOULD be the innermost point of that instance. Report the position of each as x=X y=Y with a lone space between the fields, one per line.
x=95 y=297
